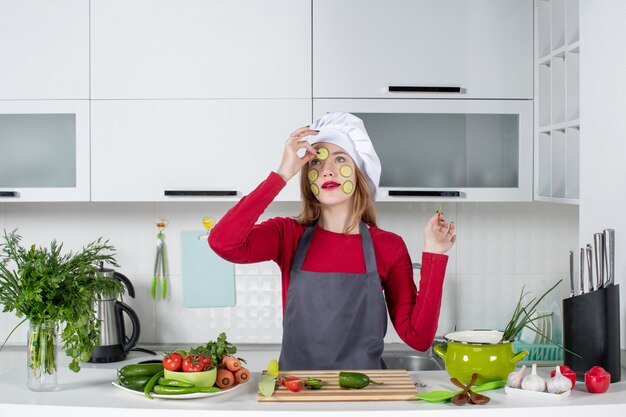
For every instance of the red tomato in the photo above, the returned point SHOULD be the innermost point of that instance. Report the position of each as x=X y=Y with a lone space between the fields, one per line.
x=566 y=372
x=205 y=361
x=191 y=364
x=597 y=380
x=172 y=361
x=293 y=385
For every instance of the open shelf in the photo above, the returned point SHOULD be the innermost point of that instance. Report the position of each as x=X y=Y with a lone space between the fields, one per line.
x=557 y=101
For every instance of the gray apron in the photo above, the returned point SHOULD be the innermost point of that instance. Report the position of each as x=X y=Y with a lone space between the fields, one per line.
x=334 y=320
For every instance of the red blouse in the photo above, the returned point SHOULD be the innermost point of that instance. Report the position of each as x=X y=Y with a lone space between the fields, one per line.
x=414 y=314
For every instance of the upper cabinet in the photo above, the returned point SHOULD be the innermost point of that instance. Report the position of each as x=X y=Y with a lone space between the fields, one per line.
x=44 y=146
x=168 y=49
x=423 y=49
x=190 y=150
x=44 y=51
x=557 y=103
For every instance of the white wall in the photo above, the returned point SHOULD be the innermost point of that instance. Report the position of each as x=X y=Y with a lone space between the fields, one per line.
x=500 y=248
x=603 y=129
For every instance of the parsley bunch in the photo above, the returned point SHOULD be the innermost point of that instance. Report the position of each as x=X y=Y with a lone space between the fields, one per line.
x=46 y=286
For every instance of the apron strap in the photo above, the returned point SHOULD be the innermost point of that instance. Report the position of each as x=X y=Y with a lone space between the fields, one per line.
x=368 y=248
x=366 y=240
x=303 y=248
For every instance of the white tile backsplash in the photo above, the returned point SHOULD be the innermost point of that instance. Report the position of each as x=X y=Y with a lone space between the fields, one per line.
x=500 y=247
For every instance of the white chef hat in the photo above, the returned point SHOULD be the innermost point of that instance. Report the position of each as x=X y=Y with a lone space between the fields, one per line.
x=348 y=131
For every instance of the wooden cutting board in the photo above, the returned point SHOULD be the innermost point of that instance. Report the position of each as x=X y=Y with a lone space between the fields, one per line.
x=397 y=386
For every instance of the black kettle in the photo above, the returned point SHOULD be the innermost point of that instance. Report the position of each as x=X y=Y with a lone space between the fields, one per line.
x=114 y=343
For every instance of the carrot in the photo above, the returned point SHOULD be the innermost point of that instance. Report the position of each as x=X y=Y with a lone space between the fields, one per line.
x=225 y=378
x=242 y=375
x=232 y=363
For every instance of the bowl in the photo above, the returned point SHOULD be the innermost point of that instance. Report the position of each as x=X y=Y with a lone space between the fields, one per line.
x=199 y=379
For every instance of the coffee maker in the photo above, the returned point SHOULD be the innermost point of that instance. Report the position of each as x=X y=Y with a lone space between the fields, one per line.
x=114 y=343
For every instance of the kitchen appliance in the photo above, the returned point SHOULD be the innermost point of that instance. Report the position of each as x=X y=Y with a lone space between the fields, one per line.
x=478 y=351
x=114 y=344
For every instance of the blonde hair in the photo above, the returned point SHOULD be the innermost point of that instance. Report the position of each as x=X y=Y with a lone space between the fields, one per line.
x=362 y=204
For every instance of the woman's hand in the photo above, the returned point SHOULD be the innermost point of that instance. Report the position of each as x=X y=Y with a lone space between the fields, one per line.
x=292 y=163
x=439 y=235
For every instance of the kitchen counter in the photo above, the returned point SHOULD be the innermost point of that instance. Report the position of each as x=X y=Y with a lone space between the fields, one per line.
x=90 y=393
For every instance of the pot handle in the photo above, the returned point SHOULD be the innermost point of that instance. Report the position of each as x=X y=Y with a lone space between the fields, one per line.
x=518 y=357
x=440 y=350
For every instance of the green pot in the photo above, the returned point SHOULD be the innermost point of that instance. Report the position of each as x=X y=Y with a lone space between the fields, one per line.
x=478 y=351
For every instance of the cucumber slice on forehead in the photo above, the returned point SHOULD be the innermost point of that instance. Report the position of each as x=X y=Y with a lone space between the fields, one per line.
x=313 y=174
x=347 y=187
x=322 y=153
x=345 y=171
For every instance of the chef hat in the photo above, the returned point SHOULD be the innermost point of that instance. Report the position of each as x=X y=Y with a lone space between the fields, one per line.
x=348 y=132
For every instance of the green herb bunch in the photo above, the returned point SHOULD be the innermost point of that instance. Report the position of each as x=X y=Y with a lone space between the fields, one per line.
x=46 y=286
x=523 y=315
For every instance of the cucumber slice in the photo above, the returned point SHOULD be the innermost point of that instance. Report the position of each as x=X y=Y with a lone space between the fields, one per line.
x=322 y=153
x=345 y=171
x=315 y=189
x=347 y=187
x=313 y=174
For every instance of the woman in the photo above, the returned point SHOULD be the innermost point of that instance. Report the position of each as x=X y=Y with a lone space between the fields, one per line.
x=335 y=262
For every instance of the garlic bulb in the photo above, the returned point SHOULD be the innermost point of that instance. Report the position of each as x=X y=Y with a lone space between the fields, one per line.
x=534 y=382
x=559 y=383
x=514 y=380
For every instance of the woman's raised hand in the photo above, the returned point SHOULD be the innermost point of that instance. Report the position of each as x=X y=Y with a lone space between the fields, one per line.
x=439 y=235
x=291 y=163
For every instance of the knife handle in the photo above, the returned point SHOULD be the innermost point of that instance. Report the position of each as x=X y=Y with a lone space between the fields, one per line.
x=589 y=267
x=571 y=273
x=598 y=249
x=581 y=272
x=609 y=251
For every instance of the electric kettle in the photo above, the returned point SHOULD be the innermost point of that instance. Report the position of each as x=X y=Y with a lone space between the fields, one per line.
x=114 y=344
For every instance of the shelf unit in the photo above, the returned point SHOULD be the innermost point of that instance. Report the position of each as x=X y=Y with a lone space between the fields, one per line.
x=557 y=101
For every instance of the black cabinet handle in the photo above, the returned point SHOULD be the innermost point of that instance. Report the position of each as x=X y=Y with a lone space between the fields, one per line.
x=413 y=193
x=423 y=89
x=199 y=193
x=9 y=194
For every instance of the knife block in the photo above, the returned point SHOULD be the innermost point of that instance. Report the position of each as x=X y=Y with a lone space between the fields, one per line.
x=591 y=328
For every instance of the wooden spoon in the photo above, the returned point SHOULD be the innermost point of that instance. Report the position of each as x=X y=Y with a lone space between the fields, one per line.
x=474 y=397
x=463 y=397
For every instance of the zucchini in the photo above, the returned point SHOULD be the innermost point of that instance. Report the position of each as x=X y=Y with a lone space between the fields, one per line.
x=345 y=171
x=140 y=369
x=322 y=153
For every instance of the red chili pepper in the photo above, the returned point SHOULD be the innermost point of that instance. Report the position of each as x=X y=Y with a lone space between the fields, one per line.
x=293 y=385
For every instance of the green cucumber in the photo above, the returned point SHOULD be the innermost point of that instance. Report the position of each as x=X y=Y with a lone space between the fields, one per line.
x=140 y=369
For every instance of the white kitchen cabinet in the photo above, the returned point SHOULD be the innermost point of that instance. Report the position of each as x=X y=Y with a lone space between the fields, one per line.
x=196 y=150
x=482 y=47
x=447 y=150
x=557 y=101
x=157 y=49
x=44 y=146
x=44 y=49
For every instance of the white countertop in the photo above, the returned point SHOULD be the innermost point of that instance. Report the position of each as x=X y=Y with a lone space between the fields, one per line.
x=90 y=393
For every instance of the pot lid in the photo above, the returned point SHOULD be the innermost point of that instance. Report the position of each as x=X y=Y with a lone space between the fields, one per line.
x=476 y=337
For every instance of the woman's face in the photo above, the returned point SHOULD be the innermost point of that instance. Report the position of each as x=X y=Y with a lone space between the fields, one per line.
x=331 y=175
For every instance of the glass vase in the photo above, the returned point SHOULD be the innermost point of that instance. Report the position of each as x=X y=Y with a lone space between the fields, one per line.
x=42 y=356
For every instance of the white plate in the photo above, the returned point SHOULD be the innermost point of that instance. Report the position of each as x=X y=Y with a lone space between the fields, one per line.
x=536 y=394
x=178 y=397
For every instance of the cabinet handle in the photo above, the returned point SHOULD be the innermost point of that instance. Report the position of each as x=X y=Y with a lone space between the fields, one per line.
x=423 y=89
x=413 y=193
x=9 y=194
x=199 y=193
